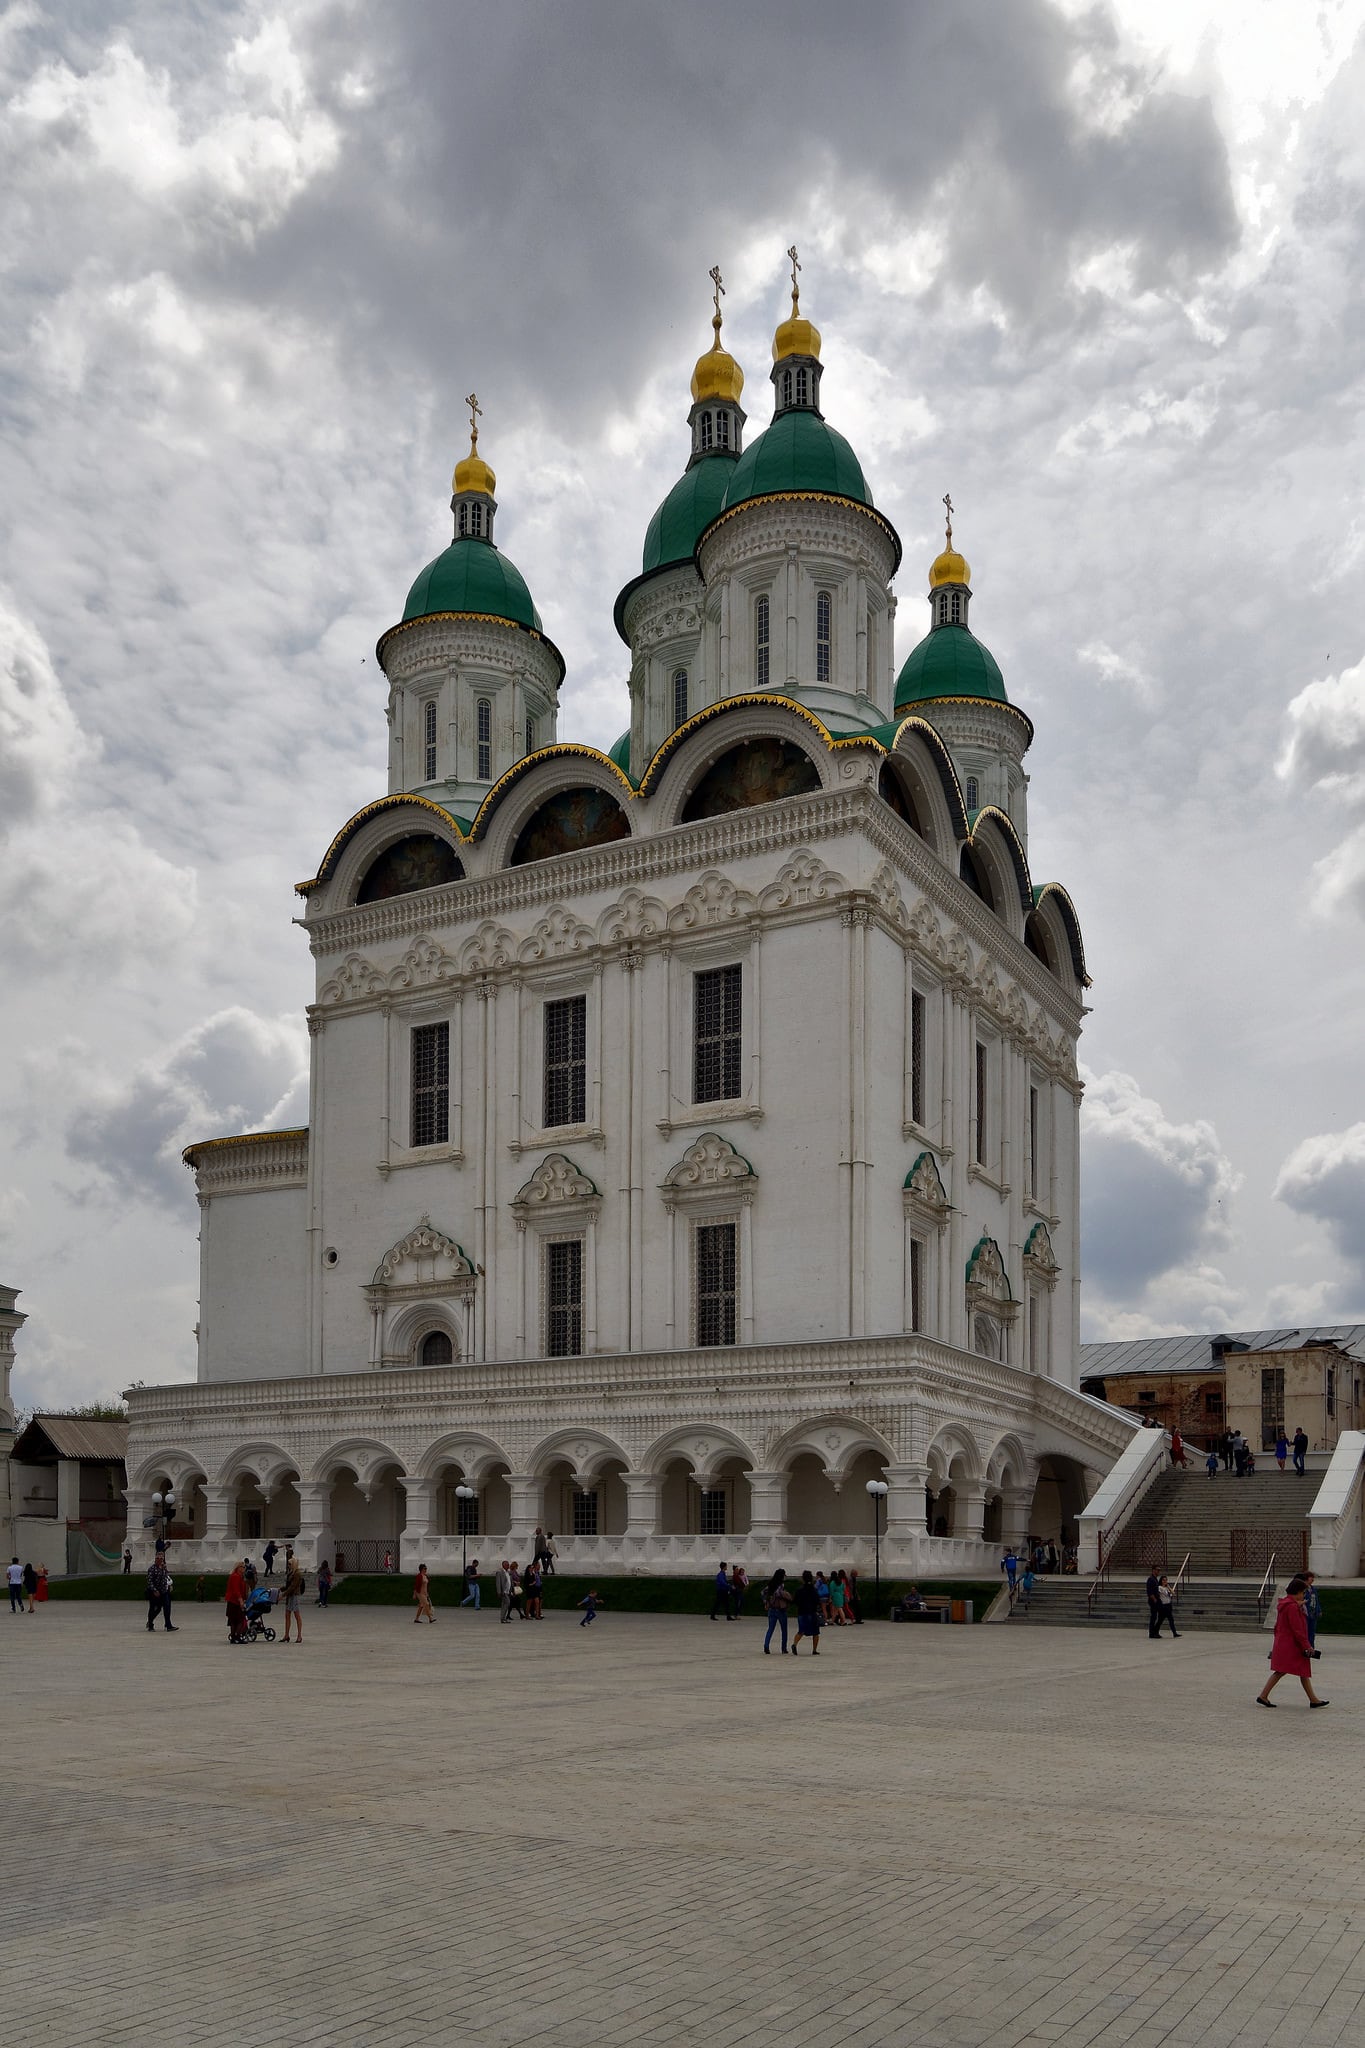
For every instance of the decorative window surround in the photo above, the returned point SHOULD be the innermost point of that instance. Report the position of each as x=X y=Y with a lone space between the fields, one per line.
x=710 y=1113
x=991 y=1307
x=711 y=1183
x=423 y=1283
x=558 y=1201
x=443 y=1007
x=925 y=1204
x=560 y=1134
x=576 y=977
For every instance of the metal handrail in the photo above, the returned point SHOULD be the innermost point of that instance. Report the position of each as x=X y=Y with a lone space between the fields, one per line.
x=1267 y=1590
x=1180 y=1576
x=1100 y=1582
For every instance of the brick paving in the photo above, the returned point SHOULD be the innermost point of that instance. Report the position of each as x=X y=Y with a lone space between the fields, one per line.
x=648 y=1833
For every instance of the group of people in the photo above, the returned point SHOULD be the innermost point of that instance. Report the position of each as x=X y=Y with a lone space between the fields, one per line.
x=835 y=1596
x=242 y=1583
x=25 y=1585
x=1234 y=1454
x=813 y=1599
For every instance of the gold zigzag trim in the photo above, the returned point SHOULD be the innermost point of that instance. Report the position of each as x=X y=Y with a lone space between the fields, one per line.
x=381 y=803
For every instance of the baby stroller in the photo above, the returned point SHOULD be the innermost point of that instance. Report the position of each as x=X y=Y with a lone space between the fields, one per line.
x=259 y=1602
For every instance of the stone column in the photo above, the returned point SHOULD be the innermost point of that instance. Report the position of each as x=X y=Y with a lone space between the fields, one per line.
x=417 y=1526
x=644 y=1493
x=314 y=1540
x=220 y=1515
x=971 y=1507
x=905 y=1502
x=1015 y=1504
x=768 y=1503
x=526 y=1508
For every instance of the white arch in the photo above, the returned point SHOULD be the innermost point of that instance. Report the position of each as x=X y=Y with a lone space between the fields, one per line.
x=266 y=1463
x=474 y=1452
x=564 y=769
x=586 y=1451
x=739 y=719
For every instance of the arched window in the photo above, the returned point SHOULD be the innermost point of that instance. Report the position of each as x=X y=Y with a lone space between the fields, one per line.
x=437 y=1349
x=679 y=696
x=823 y=611
x=476 y=521
x=786 y=387
x=761 y=643
x=462 y=520
x=530 y=735
x=722 y=430
x=484 y=766
x=972 y=794
x=943 y=608
x=802 y=387
x=957 y=607
x=429 y=737
x=705 y=431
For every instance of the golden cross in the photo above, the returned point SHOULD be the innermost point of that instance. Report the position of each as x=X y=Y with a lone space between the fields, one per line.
x=796 y=289
x=475 y=415
x=719 y=292
x=947 y=500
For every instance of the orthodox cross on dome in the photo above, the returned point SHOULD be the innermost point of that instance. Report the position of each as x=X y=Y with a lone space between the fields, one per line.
x=796 y=289
x=948 y=507
x=719 y=292
x=475 y=415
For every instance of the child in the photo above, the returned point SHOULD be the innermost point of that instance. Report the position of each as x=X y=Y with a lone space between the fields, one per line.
x=591 y=1601
x=1026 y=1585
x=1211 y=1464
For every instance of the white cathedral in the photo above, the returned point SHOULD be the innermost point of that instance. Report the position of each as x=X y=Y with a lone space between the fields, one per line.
x=693 y=1127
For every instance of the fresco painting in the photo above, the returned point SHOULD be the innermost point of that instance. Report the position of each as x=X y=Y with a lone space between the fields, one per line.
x=568 y=822
x=892 y=791
x=759 y=771
x=419 y=862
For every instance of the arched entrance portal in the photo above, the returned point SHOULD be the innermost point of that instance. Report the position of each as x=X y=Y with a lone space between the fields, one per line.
x=1058 y=1497
x=367 y=1522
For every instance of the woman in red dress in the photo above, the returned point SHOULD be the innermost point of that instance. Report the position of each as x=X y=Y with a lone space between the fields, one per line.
x=1291 y=1653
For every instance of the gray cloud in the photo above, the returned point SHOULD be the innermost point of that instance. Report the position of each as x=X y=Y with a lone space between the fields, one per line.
x=1324 y=1178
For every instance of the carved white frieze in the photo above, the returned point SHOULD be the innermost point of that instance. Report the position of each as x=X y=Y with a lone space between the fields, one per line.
x=709 y=1166
x=556 y=1183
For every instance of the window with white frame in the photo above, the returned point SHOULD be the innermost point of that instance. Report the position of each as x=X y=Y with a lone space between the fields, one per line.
x=981 y=1101
x=483 y=714
x=431 y=1084
x=761 y=649
x=919 y=1022
x=917 y=1254
x=972 y=793
x=476 y=521
x=467 y=1517
x=713 y=1511
x=1033 y=1143
x=530 y=735
x=957 y=607
x=824 y=610
x=566 y=1061
x=564 y=1297
x=786 y=387
x=715 y=1282
x=802 y=386
x=1034 y=1333
x=429 y=738
x=722 y=429
x=462 y=522
x=585 y=1511
x=705 y=432
x=718 y=1034
x=943 y=607
x=679 y=696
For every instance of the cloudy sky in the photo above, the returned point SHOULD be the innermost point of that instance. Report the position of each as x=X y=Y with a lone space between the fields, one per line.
x=1098 y=269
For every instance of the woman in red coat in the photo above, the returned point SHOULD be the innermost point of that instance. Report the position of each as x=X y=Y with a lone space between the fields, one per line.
x=1291 y=1652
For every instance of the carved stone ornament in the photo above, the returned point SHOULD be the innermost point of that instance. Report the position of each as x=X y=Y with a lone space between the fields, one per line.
x=555 y=1182
x=924 y=1194
x=988 y=1287
x=709 y=1166
x=559 y=935
x=886 y=895
x=802 y=879
x=635 y=917
x=714 y=900
x=1039 y=1259
x=425 y=1256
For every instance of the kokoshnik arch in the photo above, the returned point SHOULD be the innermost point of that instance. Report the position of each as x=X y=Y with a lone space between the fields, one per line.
x=693 y=1126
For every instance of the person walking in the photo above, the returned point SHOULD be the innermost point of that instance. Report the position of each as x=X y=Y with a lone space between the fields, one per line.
x=1312 y=1609
x=776 y=1599
x=40 y=1590
x=720 y=1597
x=30 y=1585
x=808 y=1614
x=14 y=1574
x=503 y=1585
x=1165 y=1605
x=592 y=1601
x=1281 y=1448
x=854 y=1610
x=234 y=1599
x=1009 y=1565
x=1026 y=1585
x=1152 y=1588
x=530 y=1586
x=739 y=1586
x=1291 y=1653
x=836 y=1597
x=324 y=1584
x=1177 y=1450
x=1239 y=1455
x=550 y=1552
x=1300 y=1450
x=517 y=1598
x=471 y=1585
x=421 y=1593
x=160 y=1586
x=293 y=1594
x=538 y=1545
x=268 y=1555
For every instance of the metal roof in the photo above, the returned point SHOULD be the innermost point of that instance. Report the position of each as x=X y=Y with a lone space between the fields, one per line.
x=1194 y=1353
x=100 y=1440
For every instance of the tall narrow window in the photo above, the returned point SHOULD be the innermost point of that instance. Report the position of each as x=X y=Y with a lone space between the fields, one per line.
x=585 y=1511
x=484 y=766
x=476 y=521
x=802 y=386
x=462 y=520
x=943 y=608
x=530 y=735
x=972 y=794
x=823 y=609
x=982 y=1078
x=916 y=1283
x=1272 y=1405
x=431 y=1084
x=566 y=1061
x=761 y=643
x=429 y=737
x=564 y=1297
x=713 y=1511
x=722 y=429
x=917 y=1031
x=705 y=432
x=786 y=387
x=957 y=607
x=1033 y=1143
x=716 y=1283
x=717 y=1002
x=679 y=696
x=1033 y=1358
x=467 y=1517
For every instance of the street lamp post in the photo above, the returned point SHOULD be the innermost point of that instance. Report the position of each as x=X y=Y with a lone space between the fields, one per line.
x=163 y=1507
x=462 y=1494
x=877 y=1490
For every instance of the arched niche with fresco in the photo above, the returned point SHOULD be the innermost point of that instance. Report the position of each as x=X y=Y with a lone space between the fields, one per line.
x=421 y=860
x=568 y=822
x=757 y=771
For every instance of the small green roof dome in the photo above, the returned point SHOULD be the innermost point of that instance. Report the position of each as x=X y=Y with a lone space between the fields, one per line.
x=471 y=576
x=798 y=452
x=949 y=662
x=620 y=753
x=689 y=508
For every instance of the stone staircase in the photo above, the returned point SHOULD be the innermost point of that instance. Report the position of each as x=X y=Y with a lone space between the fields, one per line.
x=1198 y=1515
x=1204 y=1604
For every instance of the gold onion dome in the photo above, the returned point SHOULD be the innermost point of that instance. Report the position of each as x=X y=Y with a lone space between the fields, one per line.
x=717 y=374
x=950 y=566
x=472 y=472
x=795 y=336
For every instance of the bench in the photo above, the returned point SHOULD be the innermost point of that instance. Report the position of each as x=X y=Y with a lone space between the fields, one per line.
x=936 y=1607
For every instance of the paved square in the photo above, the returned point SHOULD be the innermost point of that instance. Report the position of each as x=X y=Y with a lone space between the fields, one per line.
x=647 y=1832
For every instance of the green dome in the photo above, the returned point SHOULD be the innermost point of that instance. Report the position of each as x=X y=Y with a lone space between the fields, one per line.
x=949 y=662
x=798 y=452
x=620 y=753
x=686 y=512
x=471 y=576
